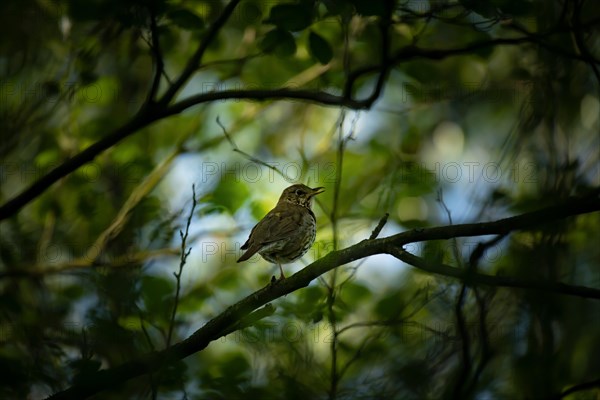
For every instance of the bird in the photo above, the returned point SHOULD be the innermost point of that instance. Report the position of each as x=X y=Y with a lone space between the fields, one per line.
x=287 y=231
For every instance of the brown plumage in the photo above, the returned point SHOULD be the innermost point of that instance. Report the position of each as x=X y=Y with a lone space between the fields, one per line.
x=287 y=232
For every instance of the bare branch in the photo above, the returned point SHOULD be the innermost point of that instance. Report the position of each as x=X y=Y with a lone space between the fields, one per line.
x=134 y=199
x=194 y=62
x=480 y=250
x=251 y=318
x=248 y=156
x=151 y=112
x=184 y=255
x=457 y=256
x=332 y=286
x=579 y=388
x=143 y=118
x=379 y=226
x=222 y=323
x=495 y=280
x=463 y=334
x=159 y=65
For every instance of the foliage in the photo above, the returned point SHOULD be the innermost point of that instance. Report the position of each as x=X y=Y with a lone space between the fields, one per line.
x=436 y=112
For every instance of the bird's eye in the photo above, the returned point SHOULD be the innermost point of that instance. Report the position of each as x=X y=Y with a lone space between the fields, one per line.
x=299 y=192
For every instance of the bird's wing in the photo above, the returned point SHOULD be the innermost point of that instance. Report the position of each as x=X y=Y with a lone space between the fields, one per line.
x=275 y=226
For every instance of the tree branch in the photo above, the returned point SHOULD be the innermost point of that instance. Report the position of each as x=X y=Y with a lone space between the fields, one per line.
x=159 y=64
x=465 y=341
x=578 y=388
x=223 y=323
x=194 y=62
x=249 y=157
x=185 y=252
x=152 y=112
x=494 y=280
x=142 y=119
x=379 y=226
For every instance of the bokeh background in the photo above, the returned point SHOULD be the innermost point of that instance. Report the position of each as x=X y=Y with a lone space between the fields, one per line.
x=472 y=133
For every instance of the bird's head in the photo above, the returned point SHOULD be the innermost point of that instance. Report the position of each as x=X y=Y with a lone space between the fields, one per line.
x=300 y=194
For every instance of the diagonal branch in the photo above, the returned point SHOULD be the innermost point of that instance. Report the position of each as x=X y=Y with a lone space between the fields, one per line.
x=223 y=323
x=494 y=280
x=194 y=62
x=135 y=198
x=578 y=388
x=157 y=56
x=145 y=117
x=148 y=113
x=569 y=207
x=249 y=156
x=142 y=119
x=151 y=112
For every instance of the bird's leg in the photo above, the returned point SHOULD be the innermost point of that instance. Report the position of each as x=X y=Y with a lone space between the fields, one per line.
x=282 y=277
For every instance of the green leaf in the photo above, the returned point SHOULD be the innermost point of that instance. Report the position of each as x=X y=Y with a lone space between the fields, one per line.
x=291 y=17
x=355 y=293
x=390 y=306
x=230 y=193
x=193 y=300
x=234 y=365
x=227 y=278
x=155 y=292
x=319 y=48
x=186 y=19
x=278 y=42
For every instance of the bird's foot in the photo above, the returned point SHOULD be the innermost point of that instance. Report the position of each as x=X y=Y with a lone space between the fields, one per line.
x=274 y=280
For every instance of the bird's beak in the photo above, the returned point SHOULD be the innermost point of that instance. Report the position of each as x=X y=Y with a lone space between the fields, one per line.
x=317 y=190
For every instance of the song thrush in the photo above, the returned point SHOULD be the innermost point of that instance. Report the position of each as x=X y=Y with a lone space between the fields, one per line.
x=287 y=232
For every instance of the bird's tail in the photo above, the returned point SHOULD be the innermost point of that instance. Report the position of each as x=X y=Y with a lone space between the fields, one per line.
x=249 y=253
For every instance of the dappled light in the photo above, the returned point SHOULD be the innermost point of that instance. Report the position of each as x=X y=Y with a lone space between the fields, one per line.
x=439 y=169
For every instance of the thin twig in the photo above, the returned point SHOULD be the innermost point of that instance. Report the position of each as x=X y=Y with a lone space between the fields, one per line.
x=486 y=351
x=480 y=250
x=338 y=179
x=212 y=330
x=249 y=156
x=579 y=388
x=146 y=116
x=159 y=65
x=390 y=323
x=184 y=255
x=456 y=253
x=356 y=356
x=251 y=319
x=374 y=234
x=333 y=287
x=195 y=60
x=463 y=334
x=379 y=226
x=151 y=380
